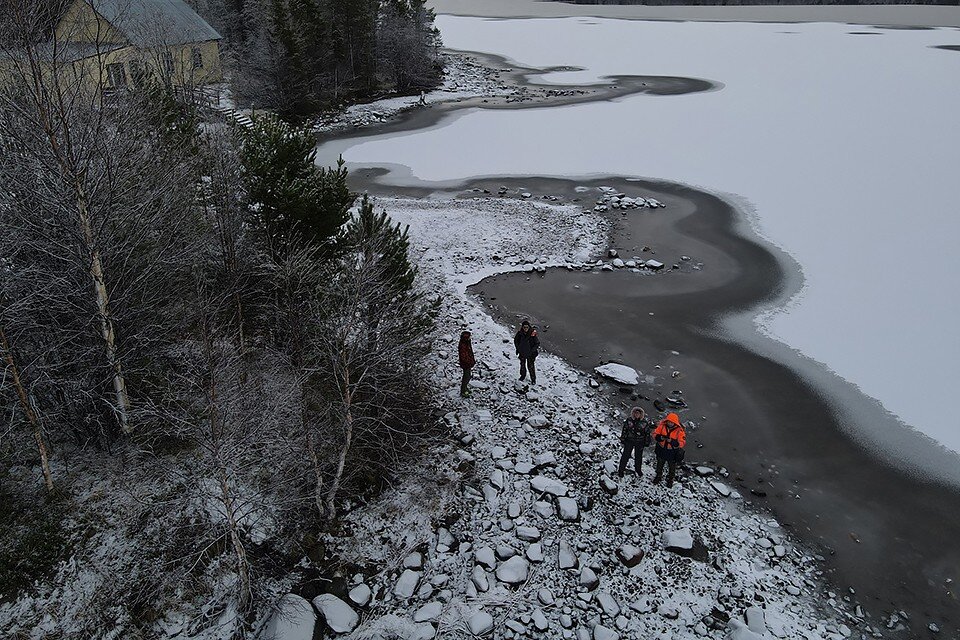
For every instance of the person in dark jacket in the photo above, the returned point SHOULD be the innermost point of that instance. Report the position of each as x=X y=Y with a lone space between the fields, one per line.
x=671 y=440
x=527 y=343
x=467 y=362
x=634 y=436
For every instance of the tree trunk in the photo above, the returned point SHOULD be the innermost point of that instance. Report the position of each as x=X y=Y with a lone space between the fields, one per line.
x=345 y=447
x=103 y=309
x=27 y=410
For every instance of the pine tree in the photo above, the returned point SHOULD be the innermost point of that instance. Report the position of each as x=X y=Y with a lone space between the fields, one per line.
x=291 y=196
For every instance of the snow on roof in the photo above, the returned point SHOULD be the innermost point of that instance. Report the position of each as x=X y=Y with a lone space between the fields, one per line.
x=149 y=23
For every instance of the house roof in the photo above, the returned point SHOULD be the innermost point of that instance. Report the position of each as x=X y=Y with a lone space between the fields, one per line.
x=150 y=23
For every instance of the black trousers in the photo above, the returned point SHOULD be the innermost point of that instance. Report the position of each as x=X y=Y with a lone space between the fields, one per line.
x=527 y=363
x=465 y=380
x=631 y=447
x=671 y=470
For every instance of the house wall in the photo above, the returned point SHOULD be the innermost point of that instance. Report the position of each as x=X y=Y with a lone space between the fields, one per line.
x=183 y=72
x=80 y=23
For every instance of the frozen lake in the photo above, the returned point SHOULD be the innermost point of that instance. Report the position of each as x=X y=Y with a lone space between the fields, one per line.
x=844 y=147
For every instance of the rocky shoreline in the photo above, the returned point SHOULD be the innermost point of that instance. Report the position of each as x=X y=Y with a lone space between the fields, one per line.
x=515 y=526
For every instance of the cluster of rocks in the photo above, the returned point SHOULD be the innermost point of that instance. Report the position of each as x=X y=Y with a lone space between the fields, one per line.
x=613 y=199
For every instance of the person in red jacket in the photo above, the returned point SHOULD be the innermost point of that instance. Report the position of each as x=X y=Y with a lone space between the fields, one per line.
x=671 y=439
x=467 y=362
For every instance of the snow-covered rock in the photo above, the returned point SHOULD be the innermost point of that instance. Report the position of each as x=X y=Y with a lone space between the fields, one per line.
x=736 y=630
x=619 y=372
x=480 y=623
x=339 y=616
x=681 y=539
x=629 y=555
x=543 y=484
x=513 y=571
x=360 y=595
x=293 y=619
x=428 y=612
x=407 y=584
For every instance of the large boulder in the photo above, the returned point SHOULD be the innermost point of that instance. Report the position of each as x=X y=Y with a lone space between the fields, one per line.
x=337 y=613
x=619 y=373
x=294 y=619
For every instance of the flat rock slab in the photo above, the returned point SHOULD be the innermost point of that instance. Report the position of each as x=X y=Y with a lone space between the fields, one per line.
x=721 y=488
x=339 y=616
x=619 y=372
x=543 y=484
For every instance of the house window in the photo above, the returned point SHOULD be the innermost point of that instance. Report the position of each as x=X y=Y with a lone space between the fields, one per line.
x=117 y=75
x=166 y=63
x=197 y=56
x=138 y=72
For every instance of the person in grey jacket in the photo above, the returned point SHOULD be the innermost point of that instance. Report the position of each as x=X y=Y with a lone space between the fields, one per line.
x=634 y=436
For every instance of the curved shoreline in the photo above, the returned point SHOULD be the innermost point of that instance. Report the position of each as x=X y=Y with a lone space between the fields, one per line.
x=533 y=95
x=841 y=492
x=876 y=507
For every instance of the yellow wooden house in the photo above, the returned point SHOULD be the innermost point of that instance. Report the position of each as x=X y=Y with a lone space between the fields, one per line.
x=111 y=44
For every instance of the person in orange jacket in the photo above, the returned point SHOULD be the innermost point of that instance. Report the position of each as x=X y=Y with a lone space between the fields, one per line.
x=671 y=439
x=467 y=362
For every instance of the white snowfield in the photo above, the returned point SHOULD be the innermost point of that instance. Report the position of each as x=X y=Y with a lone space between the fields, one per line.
x=504 y=557
x=844 y=148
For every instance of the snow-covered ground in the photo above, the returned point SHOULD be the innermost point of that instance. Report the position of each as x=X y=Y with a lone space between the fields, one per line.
x=518 y=526
x=844 y=146
x=465 y=77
